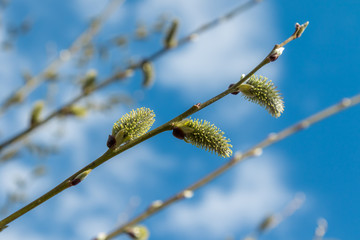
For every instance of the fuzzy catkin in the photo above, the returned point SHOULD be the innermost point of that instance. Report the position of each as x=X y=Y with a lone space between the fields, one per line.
x=207 y=136
x=260 y=90
x=135 y=123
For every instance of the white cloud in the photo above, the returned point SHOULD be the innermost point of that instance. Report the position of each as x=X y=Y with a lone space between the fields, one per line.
x=90 y=227
x=256 y=189
x=30 y=235
x=89 y=8
x=132 y=165
x=12 y=173
x=196 y=12
x=10 y=63
x=219 y=56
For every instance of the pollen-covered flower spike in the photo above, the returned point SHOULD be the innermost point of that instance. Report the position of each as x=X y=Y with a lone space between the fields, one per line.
x=36 y=112
x=170 y=40
x=131 y=126
x=262 y=91
x=204 y=135
x=148 y=74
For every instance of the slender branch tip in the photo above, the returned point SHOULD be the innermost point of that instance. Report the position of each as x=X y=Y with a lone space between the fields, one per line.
x=299 y=29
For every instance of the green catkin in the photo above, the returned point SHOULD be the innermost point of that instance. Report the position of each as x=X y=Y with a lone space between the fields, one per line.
x=135 y=123
x=205 y=135
x=148 y=74
x=36 y=112
x=260 y=90
x=88 y=83
x=77 y=111
x=170 y=40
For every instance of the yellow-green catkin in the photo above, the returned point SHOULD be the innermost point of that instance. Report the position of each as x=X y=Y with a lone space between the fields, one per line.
x=138 y=232
x=170 y=40
x=148 y=74
x=205 y=135
x=260 y=90
x=36 y=112
x=134 y=124
x=51 y=75
x=267 y=223
x=88 y=82
x=76 y=110
x=141 y=31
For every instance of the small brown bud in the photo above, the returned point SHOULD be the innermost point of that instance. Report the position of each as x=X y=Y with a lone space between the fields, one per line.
x=235 y=92
x=275 y=54
x=111 y=141
x=80 y=177
x=178 y=133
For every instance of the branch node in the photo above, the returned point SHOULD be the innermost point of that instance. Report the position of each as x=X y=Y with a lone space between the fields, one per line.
x=346 y=102
x=197 y=105
x=257 y=152
x=275 y=54
x=235 y=92
x=272 y=137
x=79 y=177
x=101 y=236
x=187 y=194
x=155 y=205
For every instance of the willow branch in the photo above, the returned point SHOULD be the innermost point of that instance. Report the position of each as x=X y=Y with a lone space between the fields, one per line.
x=77 y=45
x=59 y=111
x=273 y=220
x=111 y=153
x=237 y=158
x=125 y=73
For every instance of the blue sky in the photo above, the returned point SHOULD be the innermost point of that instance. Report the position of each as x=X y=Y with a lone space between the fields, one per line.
x=315 y=71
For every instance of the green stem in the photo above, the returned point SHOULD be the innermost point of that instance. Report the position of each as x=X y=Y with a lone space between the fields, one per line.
x=59 y=188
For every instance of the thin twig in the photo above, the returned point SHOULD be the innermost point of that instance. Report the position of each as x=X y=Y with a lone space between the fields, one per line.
x=113 y=152
x=125 y=73
x=81 y=41
x=255 y=150
x=273 y=220
x=59 y=111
